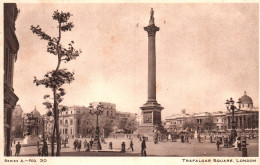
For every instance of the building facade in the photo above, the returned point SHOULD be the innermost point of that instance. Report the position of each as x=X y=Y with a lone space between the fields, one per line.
x=77 y=120
x=246 y=118
x=17 y=122
x=11 y=47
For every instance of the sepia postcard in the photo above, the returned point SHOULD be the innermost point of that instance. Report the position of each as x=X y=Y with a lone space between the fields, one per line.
x=135 y=82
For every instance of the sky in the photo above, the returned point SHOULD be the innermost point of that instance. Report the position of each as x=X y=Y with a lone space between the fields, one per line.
x=205 y=53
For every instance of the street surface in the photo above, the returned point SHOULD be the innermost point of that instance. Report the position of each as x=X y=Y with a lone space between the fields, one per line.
x=178 y=149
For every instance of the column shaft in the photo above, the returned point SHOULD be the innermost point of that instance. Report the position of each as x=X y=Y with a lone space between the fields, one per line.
x=151 y=69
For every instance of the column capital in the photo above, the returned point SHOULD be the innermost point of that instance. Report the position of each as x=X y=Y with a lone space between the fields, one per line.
x=151 y=29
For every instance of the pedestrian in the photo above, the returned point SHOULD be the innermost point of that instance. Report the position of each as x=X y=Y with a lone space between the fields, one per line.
x=143 y=146
x=131 y=145
x=110 y=145
x=75 y=143
x=218 y=144
x=199 y=138
x=45 y=149
x=18 y=148
x=39 y=150
x=87 y=147
x=182 y=138
x=169 y=137
x=91 y=143
x=239 y=143
x=38 y=143
x=79 y=145
x=85 y=144
x=123 y=147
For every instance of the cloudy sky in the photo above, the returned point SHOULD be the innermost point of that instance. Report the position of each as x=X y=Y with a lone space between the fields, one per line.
x=206 y=53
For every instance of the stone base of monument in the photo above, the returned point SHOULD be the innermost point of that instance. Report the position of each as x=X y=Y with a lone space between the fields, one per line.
x=31 y=140
x=149 y=131
x=96 y=145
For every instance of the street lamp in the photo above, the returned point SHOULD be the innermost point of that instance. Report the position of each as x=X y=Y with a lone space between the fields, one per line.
x=231 y=107
x=96 y=111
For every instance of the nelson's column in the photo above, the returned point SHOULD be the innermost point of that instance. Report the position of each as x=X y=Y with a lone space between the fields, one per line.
x=151 y=110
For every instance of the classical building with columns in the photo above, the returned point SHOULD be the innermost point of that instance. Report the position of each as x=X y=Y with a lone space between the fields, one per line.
x=246 y=118
x=11 y=47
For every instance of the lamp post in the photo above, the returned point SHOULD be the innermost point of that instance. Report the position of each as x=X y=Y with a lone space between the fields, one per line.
x=96 y=111
x=231 y=107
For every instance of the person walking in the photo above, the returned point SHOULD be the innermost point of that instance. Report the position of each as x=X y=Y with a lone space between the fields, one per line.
x=18 y=148
x=39 y=150
x=75 y=143
x=79 y=145
x=131 y=145
x=85 y=144
x=45 y=149
x=218 y=144
x=91 y=143
x=143 y=146
x=87 y=147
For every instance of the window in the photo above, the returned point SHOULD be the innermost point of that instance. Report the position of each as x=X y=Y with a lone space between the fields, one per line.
x=60 y=121
x=71 y=131
x=71 y=121
x=66 y=122
x=70 y=112
x=107 y=113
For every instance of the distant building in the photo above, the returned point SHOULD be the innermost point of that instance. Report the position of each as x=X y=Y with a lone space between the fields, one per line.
x=109 y=108
x=70 y=121
x=77 y=120
x=175 y=122
x=247 y=118
x=17 y=122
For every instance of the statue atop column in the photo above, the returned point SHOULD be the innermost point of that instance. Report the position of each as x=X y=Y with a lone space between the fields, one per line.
x=151 y=22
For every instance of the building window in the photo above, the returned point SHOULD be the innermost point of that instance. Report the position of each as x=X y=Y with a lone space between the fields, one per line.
x=60 y=121
x=70 y=112
x=107 y=113
x=66 y=122
x=71 y=131
x=71 y=121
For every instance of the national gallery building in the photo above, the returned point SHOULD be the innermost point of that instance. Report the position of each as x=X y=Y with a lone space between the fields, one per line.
x=246 y=119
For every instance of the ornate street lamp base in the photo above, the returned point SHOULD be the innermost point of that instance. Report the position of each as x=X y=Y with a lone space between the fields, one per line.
x=233 y=135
